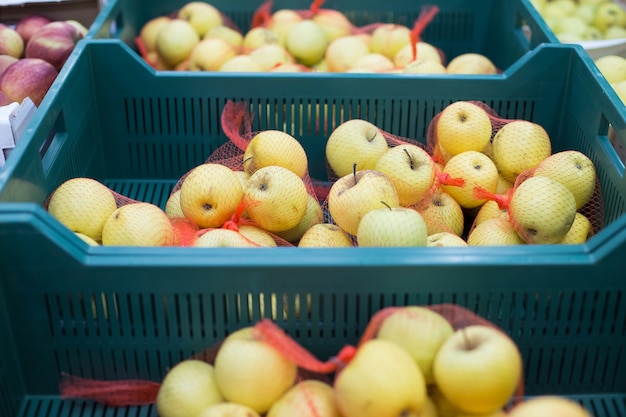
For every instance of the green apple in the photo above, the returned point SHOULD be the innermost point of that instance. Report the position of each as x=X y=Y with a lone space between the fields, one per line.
x=187 y=389
x=615 y=32
x=355 y=142
x=325 y=235
x=478 y=369
x=392 y=227
x=308 y=398
x=83 y=205
x=307 y=42
x=542 y=210
x=201 y=15
x=175 y=41
x=381 y=380
x=138 y=224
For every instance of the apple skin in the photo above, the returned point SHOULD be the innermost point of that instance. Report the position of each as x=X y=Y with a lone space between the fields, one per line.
x=471 y=63
x=53 y=43
x=392 y=227
x=28 y=25
x=138 y=224
x=29 y=77
x=325 y=235
x=5 y=62
x=548 y=405
x=201 y=15
x=227 y=409
x=175 y=41
x=149 y=31
x=11 y=43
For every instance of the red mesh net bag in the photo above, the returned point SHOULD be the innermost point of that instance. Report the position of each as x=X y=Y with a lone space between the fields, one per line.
x=431 y=338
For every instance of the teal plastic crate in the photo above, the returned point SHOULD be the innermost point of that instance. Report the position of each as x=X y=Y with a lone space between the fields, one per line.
x=502 y=30
x=112 y=312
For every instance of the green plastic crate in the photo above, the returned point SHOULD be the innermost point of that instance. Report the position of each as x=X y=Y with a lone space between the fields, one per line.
x=502 y=30
x=111 y=312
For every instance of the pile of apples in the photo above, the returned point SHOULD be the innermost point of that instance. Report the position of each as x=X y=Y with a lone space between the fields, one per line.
x=198 y=37
x=480 y=186
x=414 y=364
x=31 y=55
x=613 y=68
x=583 y=20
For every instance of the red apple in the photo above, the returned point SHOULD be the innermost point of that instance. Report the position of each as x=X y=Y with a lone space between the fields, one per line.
x=11 y=42
x=28 y=25
x=28 y=77
x=6 y=61
x=54 y=43
x=4 y=100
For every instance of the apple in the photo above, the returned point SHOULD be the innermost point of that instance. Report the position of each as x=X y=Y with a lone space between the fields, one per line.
x=445 y=239
x=442 y=213
x=579 y=232
x=392 y=227
x=352 y=196
x=290 y=68
x=172 y=205
x=313 y=215
x=82 y=205
x=478 y=369
x=30 y=24
x=258 y=36
x=210 y=54
x=424 y=51
x=549 y=405
x=11 y=43
x=471 y=63
x=175 y=41
x=355 y=142
x=53 y=43
x=81 y=30
x=612 y=67
x=251 y=372
x=463 y=126
x=281 y=22
x=374 y=62
x=612 y=32
x=5 y=62
x=573 y=25
x=424 y=66
x=241 y=63
x=87 y=239
x=257 y=235
x=343 y=53
x=227 y=409
x=477 y=170
x=308 y=398
x=270 y=56
x=419 y=331
x=609 y=14
x=307 y=42
x=210 y=194
x=488 y=211
x=586 y=11
x=326 y=235
x=138 y=224
x=542 y=210
x=388 y=39
x=275 y=198
x=274 y=147
x=381 y=380
x=334 y=23
x=496 y=231
x=518 y=146
x=594 y=34
x=574 y=170
x=223 y=238
x=187 y=389
x=228 y=34
x=202 y=16
x=149 y=31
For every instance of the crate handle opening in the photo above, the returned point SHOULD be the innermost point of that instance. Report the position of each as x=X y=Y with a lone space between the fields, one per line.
x=53 y=143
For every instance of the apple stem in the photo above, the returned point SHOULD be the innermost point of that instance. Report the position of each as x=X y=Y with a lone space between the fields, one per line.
x=388 y=206
x=406 y=151
x=468 y=343
x=354 y=171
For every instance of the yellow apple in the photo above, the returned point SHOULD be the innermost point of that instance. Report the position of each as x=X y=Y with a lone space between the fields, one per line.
x=334 y=23
x=424 y=66
x=542 y=210
x=307 y=42
x=373 y=62
x=442 y=213
x=223 y=238
x=471 y=63
x=343 y=53
x=175 y=41
x=381 y=380
x=496 y=231
x=419 y=331
x=281 y=22
x=187 y=389
x=463 y=126
x=620 y=89
x=572 y=25
x=290 y=68
x=392 y=227
x=210 y=54
x=82 y=205
x=579 y=232
x=609 y=14
x=313 y=215
x=424 y=51
x=275 y=198
x=574 y=170
x=477 y=170
x=411 y=170
x=257 y=235
x=445 y=239
x=488 y=211
x=352 y=196
x=325 y=235
x=87 y=239
x=202 y=16
x=232 y=36
x=274 y=147
x=251 y=372
x=149 y=31
x=612 y=67
x=549 y=405
x=388 y=39
x=308 y=398
x=227 y=409
x=478 y=369
x=258 y=36
x=612 y=32
x=241 y=63
x=520 y=145
x=138 y=224
x=270 y=56
x=355 y=141
x=210 y=194
x=172 y=205
x=503 y=184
